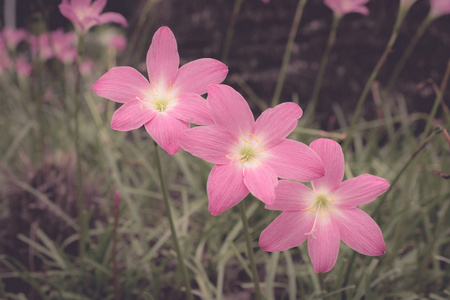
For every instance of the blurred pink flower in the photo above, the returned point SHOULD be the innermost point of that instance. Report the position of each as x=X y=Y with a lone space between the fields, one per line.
x=40 y=47
x=439 y=8
x=87 y=66
x=63 y=45
x=23 y=66
x=342 y=7
x=249 y=155
x=84 y=14
x=170 y=101
x=12 y=37
x=57 y=44
x=118 y=42
x=326 y=214
x=266 y=1
x=5 y=60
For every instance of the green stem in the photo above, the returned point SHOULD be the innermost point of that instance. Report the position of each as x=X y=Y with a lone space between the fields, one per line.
x=80 y=198
x=138 y=30
x=402 y=12
x=230 y=31
x=408 y=51
x=287 y=52
x=251 y=256
x=437 y=101
x=323 y=64
x=405 y=166
x=172 y=225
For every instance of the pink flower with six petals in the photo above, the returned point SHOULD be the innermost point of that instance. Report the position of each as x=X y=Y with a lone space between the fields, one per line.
x=170 y=101
x=84 y=14
x=342 y=7
x=249 y=155
x=327 y=214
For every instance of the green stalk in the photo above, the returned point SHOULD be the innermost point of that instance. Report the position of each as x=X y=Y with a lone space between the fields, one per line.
x=138 y=30
x=80 y=199
x=437 y=101
x=172 y=225
x=230 y=30
x=402 y=12
x=251 y=256
x=376 y=212
x=408 y=51
x=323 y=64
x=287 y=52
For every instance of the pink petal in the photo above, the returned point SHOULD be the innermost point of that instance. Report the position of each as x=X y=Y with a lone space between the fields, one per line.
x=131 y=115
x=165 y=130
x=67 y=11
x=211 y=143
x=229 y=109
x=225 y=188
x=122 y=84
x=293 y=160
x=291 y=196
x=162 y=58
x=111 y=17
x=97 y=6
x=288 y=230
x=275 y=124
x=261 y=182
x=359 y=190
x=196 y=76
x=332 y=157
x=323 y=245
x=192 y=108
x=360 y=232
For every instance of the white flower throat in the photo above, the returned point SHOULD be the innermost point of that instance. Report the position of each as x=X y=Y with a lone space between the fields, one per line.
x=158 y=98
x=248 y=151
x=320 y=205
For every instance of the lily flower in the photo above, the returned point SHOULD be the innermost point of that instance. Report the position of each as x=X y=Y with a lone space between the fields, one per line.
x=167 y=103
x=84 y=14
x=343 y=7
x=12 y=37
x=439 y=8
x=326 y=214
x=249 y=155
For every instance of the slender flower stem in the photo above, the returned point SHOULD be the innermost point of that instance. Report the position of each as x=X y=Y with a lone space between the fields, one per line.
x=172 y=225
x=323 y=64
x=405 y=166
x=287 y=52
x=80 y=199
x=230 y=31
x=402 y=12
x=251 y=256
x=437 y=101
x=408 y=51
x=114 y=249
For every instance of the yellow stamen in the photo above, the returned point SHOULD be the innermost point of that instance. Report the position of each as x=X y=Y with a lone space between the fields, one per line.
x=170 y=86
x=151 y=81
x=150 y=93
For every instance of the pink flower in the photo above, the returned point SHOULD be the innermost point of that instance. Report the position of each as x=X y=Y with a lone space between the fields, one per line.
x=249 y=155
x=63 y=45
x=84 y=14
x=170 y=101
x=54 y=44
x=40 y=47
x=342 y=7
x=327 y=213
x=12 y=37
x=118 y=42
x=439 y=8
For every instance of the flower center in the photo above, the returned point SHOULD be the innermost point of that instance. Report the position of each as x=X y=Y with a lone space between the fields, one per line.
x=158 y=100
x=248 y=151
x=319 y=206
